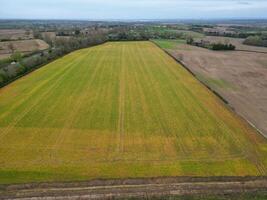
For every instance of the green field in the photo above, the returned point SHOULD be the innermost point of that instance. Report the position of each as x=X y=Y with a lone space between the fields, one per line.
x=169 y=44
x=123 y=109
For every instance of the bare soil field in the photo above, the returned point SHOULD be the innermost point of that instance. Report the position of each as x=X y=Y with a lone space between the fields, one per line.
x=23 y=46
x=50 y=35
x=15 y=34
x=239 y=77
x=139 y=188
x=238 y=42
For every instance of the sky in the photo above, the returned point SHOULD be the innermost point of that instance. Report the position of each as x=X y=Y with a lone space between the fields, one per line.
x=132 y=9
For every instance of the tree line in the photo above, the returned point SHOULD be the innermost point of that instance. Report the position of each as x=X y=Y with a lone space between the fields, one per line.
x=216 y=46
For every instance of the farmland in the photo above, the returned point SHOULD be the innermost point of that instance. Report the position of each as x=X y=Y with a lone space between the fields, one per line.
x=239 y=76
x=23 y=46
x=169 y=44
x=119 y=110
x=15 y=34
x=238 y=42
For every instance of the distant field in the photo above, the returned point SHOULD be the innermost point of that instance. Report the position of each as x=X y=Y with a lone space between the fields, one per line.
x=15 y=34
x=123 y=109
x=191 y=33
x=169 y=44
x=238 y=42
x=23 y=46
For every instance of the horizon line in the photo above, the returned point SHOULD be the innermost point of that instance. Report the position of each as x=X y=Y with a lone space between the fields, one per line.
x=137 y=19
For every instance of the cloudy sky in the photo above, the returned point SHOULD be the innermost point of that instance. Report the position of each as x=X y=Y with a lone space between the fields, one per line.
x=132 y=9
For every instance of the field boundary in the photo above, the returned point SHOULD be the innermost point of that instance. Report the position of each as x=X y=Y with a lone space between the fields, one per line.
x=192 y=73
x=212 y=90
x=142 y=187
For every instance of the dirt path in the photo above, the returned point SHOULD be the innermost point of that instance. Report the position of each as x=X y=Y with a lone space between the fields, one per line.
x=106 y=189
